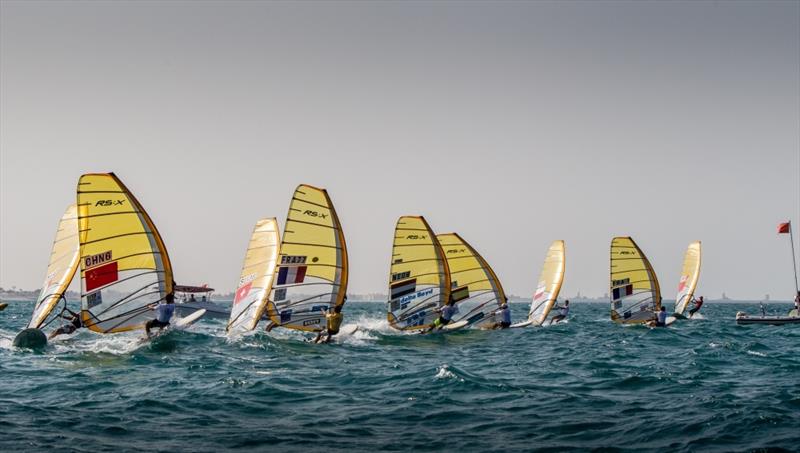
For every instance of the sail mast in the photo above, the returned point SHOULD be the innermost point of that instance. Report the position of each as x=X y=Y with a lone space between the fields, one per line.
x=794 y=261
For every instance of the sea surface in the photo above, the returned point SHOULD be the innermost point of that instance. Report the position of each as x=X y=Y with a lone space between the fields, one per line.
x=700 y=385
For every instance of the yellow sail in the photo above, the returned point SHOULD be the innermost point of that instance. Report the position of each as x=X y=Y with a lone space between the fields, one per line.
x=550 y=280
x=474 y=286
x=255 y=281
x=312 y=269
x=689 y=276
x=634 y=290
x=64 y=260
x=419 y=278
x=124 y=264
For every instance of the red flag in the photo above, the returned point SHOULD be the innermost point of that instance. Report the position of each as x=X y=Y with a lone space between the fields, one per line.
x=242 y=292
x=101 y=276
x=783 y=228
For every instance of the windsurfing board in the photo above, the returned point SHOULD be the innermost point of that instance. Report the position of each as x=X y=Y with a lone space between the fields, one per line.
x=455 y=325
x=671 y=319
x=521 y=324
x=187 y=321
x=180 y=324
x=3 y=306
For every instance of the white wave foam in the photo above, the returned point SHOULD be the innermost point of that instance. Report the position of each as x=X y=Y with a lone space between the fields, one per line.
x=444 y=373
x=756 y=353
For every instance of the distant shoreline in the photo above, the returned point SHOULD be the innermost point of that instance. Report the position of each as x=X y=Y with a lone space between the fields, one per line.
x=226 y=299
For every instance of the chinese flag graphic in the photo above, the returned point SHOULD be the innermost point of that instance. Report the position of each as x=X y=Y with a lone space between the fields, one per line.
x=101 y=276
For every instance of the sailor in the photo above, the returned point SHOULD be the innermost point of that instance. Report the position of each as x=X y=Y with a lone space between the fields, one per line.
x=74 y=323
x=797 y=304
x=564 y=312
x=661 y=317
x=192 y=299
x=164 y=311
x=697 y=304
x=505 y=316
x=333 y=320
x=445 y=315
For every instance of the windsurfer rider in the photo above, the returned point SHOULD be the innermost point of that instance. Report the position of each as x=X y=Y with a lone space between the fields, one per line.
x=797 y=304
x=661 y=318
x=563 y=313
x=74 y=323
x=505 y=316
x=333 y=321
x=445 y=315
x=164 y=312
x=697 y=304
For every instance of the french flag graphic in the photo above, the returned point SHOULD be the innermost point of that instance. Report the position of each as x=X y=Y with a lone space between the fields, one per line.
x=291 y=274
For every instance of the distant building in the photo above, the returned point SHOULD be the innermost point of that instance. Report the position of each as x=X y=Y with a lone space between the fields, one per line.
x=724 y=297
x=766 y=297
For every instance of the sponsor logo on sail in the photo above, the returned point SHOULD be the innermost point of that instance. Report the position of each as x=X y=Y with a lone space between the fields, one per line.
x=105 y=203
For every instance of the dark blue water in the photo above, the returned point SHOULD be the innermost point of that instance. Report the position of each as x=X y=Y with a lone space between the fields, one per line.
x=701 y=385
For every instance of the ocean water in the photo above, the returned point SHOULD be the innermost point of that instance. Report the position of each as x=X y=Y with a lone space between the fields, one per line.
x=701 y=385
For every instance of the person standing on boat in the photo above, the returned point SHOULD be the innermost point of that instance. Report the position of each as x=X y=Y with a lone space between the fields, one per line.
x=74 y=323
x=563 y=313
x=333 y=320
x=697 y=304
x=164 y=312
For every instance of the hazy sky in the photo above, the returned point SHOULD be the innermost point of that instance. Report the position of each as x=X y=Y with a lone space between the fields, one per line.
x=513 y=124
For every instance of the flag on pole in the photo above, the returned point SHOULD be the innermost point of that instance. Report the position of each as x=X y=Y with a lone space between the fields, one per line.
x=783 y=227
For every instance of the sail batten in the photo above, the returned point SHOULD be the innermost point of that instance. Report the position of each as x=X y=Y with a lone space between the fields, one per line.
x=634 y=290
x=690 y=274
x=64 y=260
x=125 y=268
x=313 y=255
x=551 y=278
